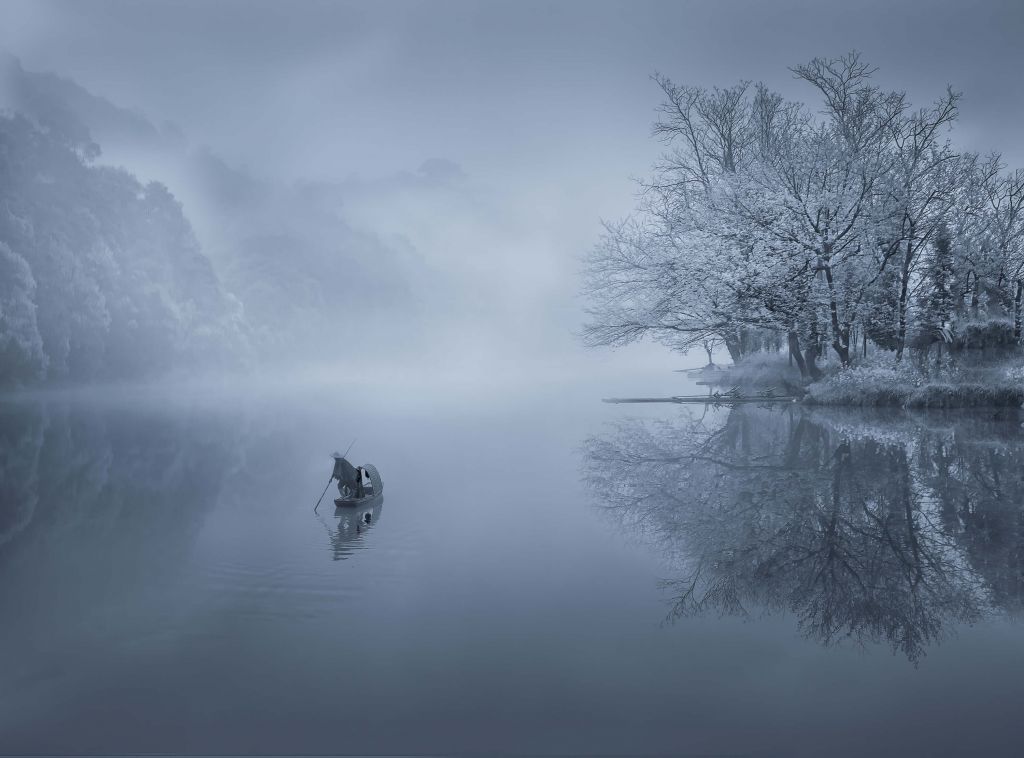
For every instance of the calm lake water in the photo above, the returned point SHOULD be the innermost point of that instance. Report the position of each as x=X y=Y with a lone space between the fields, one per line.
x=547 y=575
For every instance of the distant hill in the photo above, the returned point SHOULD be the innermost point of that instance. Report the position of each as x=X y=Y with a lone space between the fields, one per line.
x=100 y=276
x=104 y=275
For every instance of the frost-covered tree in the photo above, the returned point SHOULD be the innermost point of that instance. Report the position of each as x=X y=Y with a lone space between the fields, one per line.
x=813 y=222
x=922 y=187
x=1005 y=196
x=937 y=299
x=693 y=265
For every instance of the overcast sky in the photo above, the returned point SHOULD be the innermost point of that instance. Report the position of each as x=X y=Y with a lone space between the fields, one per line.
x=545 y=106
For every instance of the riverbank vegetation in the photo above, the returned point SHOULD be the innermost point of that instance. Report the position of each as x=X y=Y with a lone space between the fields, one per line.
x=967 y=378
x=850 y=233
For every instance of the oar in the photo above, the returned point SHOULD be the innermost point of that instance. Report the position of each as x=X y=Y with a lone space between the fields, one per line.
x=323 y=493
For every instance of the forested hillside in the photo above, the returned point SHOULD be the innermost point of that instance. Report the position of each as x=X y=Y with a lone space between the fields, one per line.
x=100 y=276
x=105 y=275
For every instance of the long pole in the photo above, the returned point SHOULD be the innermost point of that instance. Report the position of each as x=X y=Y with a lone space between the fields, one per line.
x=323 y=493
x=329 y=481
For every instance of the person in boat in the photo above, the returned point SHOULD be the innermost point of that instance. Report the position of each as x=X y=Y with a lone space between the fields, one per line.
x=350 y=478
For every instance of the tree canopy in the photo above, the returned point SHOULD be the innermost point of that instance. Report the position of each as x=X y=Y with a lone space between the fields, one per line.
x=824 y=223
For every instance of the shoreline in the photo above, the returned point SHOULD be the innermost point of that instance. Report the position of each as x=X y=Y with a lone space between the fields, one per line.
x=899 y=386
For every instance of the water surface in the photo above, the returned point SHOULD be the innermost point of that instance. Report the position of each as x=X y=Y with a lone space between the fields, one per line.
x=551 y=575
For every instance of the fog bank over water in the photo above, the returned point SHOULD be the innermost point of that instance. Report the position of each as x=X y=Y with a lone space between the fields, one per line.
x=423 y=178
x=347 y=272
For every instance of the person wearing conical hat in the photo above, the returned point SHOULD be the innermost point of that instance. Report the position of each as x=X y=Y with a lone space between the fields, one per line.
x=350 y=478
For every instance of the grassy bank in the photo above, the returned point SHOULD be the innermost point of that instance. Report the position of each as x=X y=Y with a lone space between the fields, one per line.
x=878 y=388
x=883 y=383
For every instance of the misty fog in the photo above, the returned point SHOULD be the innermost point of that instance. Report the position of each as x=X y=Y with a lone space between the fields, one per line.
x=425 y=176
x=236 y=236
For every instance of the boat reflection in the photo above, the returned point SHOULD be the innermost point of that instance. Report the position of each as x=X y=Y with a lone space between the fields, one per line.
x=352 y=523
x=869 y=529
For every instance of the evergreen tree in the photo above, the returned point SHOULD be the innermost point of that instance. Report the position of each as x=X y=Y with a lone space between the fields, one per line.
x=937 y=301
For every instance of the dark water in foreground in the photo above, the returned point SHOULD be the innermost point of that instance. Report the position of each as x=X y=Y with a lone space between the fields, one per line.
x=555 y=576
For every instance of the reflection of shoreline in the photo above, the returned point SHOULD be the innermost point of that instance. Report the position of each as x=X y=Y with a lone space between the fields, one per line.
x=21 y=439
x=110 y=486
x=100 y=510
x=874 y=527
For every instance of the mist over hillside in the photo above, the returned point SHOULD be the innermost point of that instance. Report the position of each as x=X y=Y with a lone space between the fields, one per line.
x=126 y=252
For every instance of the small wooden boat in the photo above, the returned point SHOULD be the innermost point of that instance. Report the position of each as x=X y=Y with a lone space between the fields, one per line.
x=368 y=500
x=371 y=494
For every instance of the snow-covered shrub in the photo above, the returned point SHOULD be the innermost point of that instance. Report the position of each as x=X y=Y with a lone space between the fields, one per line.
x=763 y=368
x=979 y=335
x=866 y=385
x=966 y=396
x=1015 y=374
x=903 y=386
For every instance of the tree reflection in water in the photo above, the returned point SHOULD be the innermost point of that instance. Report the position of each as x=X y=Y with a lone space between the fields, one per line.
x=99 y=504
x=866 y=529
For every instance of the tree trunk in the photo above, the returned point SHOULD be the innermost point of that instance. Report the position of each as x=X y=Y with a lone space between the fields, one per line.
x=794 y=353
x=840 y=335
x=901 y=336
x=811 y=355
x=1016 y=310
x=974 y=297
x=732 y=344
x=810 y=359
